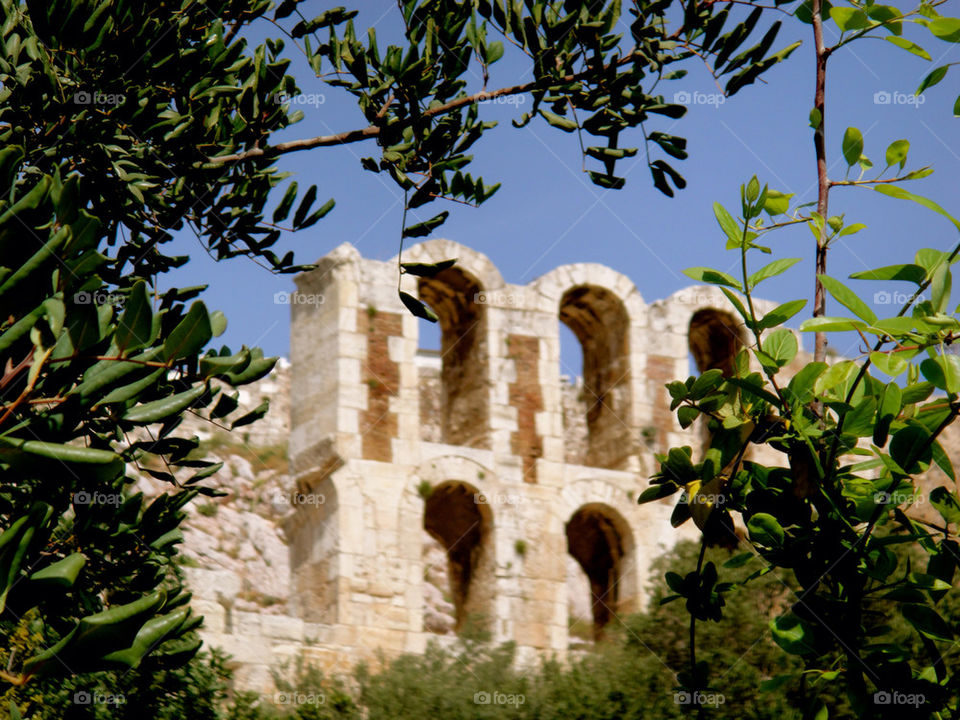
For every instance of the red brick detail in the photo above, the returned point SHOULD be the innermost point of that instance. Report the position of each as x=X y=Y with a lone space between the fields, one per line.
x=527 y=398
x=660 y=371
x=381 y=375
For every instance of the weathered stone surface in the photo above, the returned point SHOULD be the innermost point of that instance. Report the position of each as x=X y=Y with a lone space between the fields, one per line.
x=394 y=495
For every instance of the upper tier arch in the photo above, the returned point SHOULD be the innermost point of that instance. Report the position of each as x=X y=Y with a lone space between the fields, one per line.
x=475 y=263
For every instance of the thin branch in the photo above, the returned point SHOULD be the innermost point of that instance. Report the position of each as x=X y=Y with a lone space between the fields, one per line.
x=372 y=131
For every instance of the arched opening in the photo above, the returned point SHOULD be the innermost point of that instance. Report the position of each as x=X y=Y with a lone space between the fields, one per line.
x=715 y=338
x=600 y=323
x=599 y=540
x=458 y=301
x=458 y=524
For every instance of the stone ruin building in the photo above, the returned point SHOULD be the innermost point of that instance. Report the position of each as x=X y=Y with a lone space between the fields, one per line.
x=481 y=464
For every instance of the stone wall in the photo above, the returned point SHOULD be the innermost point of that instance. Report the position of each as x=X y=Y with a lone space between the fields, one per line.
x=393 y=496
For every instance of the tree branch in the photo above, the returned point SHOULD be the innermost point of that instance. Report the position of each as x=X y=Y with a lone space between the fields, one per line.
x=371 y=131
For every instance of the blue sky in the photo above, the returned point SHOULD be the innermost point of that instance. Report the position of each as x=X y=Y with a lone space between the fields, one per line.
x=547 y=213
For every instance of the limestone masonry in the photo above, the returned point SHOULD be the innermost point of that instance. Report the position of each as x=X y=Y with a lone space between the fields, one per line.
x=427 y=493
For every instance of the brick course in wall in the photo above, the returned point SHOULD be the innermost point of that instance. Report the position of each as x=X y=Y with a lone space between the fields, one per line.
x=378 y=424
x=527 y=398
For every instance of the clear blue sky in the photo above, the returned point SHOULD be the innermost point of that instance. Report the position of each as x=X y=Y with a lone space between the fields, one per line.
x=547 y=213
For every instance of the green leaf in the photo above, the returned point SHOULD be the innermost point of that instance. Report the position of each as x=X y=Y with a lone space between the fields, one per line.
x=713 y=277
x=190 y=335
x=940 y=287
x=252 y=416
x=891 y=402
x=739 y=560
x=848 y=18
x=886 y=14
x=427 y=270
x=782 y=313
x=426 y=227
x=909 y=46
x=730 y=226
x=816 y=118
x=803 y=384
x=777 y=203
x=771 y=270
x=943 y=371
x=851 y=229
x=927 y=622
x=849 y=299
x=61 y=574
x=831 y=324
x=686 y=415
x=781 y=346
x=910 y=448
x=558 y=121
x=860 y=420
x=765 y=530
x=286 y=203
x=945 y=503
x=793 y=634
x=852 y=145
x=418 y=308
x=57 y=451
x=657 y=492
x=945 y=28
x=158 y=410
x=606 y=181
x=942 y=460
x=735 y=301
x=932 y=79
x=317 y=214
x=309 y=197
x=218 y=323
x=901 y=194
x=897 y=151
x=910 y=273
x=134 y=329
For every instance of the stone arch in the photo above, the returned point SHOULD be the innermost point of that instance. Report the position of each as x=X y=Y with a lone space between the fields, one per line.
x=715 y=337
x=475 y=263
x=604 y=310
x=456 y=516
x=453 y=295
x=599 y=320
x=599 y=539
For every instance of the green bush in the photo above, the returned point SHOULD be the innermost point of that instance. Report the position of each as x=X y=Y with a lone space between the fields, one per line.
x=632 y=674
